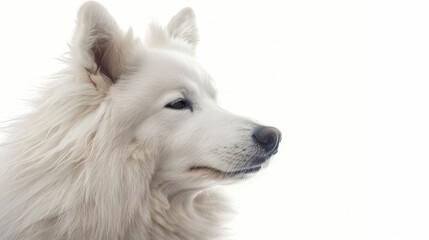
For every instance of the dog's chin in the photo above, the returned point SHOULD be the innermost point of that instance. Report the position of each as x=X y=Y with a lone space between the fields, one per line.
x=215 y=173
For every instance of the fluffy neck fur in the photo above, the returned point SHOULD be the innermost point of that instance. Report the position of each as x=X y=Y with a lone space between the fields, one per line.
x=65 y=176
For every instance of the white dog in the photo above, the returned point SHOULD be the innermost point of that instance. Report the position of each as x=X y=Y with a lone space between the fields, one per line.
x=127 y=143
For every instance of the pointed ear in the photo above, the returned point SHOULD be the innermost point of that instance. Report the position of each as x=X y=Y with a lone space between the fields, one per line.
x=98 y=44
x=183 y=26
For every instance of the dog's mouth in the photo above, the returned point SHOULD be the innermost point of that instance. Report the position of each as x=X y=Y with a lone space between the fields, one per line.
x=220 y=173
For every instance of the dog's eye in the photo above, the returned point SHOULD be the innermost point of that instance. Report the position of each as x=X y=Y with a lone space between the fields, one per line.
x=180 y=104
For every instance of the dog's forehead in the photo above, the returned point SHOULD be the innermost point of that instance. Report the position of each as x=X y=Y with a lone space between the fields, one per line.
x=179 y=69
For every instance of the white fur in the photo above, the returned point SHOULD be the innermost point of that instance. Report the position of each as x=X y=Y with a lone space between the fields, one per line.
x=100 y=157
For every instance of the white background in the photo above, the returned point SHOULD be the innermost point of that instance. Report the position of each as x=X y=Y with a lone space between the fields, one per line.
x=337 y=77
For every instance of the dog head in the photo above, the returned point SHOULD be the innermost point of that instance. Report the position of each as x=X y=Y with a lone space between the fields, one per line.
x=162 y=100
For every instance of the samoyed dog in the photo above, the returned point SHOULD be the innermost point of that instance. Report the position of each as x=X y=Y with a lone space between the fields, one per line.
x=127 y=143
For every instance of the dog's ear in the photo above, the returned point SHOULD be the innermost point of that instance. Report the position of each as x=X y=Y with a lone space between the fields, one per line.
x=98 y=45
x=183 y=26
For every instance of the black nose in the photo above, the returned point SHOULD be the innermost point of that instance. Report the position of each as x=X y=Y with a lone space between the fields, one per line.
x=268 y=138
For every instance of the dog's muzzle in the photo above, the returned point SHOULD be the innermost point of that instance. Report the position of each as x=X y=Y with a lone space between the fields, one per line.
x=267 y=141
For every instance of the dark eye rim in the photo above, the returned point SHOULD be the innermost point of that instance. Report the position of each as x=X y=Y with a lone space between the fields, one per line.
x=180 y=104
